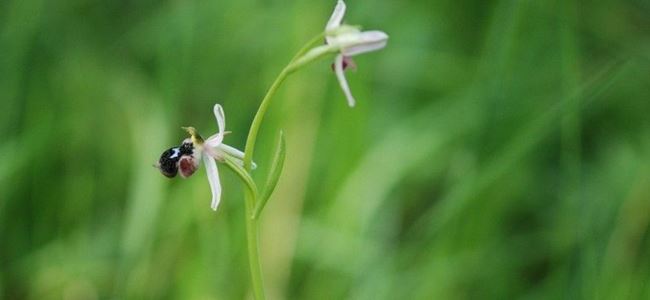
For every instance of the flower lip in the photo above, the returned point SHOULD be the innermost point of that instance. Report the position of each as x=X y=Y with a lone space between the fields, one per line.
x=187 y=147
x=347 y=63
x=187 y=165
x=167 y=164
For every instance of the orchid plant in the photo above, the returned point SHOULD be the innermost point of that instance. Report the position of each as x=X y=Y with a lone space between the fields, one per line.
x=342 y=41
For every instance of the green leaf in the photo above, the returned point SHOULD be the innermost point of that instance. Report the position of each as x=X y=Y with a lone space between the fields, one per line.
x=274 y=175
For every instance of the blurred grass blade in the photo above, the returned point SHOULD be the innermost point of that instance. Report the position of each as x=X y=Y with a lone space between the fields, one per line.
x=274 y=175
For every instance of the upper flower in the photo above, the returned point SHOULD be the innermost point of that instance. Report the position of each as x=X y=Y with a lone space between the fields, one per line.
x=185 y=158
x=346 y=41
x=349 y=39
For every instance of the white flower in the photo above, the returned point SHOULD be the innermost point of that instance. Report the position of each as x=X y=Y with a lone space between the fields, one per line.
x=349 y=41
x=185 y=159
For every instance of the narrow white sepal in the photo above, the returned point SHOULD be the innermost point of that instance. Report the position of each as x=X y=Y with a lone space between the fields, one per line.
x=340 y=75
x=337 y=15
x=213 y=179
x=236 y=153
x=221 y=125
x=366 y=41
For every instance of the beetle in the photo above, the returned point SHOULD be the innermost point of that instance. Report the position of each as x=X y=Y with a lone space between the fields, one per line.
x=182 y=156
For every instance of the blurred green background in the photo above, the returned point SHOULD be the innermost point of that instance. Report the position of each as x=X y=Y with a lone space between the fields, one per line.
x=499 y=150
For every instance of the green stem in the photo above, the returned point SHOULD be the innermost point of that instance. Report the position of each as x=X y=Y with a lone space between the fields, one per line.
x=320 y=37
x=252 y=225
x=252 y=234
x=261 y=111
x=259 y=116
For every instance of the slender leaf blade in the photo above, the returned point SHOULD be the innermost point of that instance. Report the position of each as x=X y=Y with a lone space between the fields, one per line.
x=274 y=175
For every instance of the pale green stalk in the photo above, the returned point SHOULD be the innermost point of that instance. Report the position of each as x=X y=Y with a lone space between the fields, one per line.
x=252 y=232
x=252 y=224
x=261 y=111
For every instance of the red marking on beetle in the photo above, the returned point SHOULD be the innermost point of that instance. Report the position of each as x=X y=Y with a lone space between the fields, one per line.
x=187 y=166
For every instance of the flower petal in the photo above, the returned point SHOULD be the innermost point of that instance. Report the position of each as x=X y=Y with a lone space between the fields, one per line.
x=337 y=16
x=236 y=153
x=220 y=116
x=215 y=140
x=340 y=75
x=213 y=178
x=366 y=41
x=221 y=125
